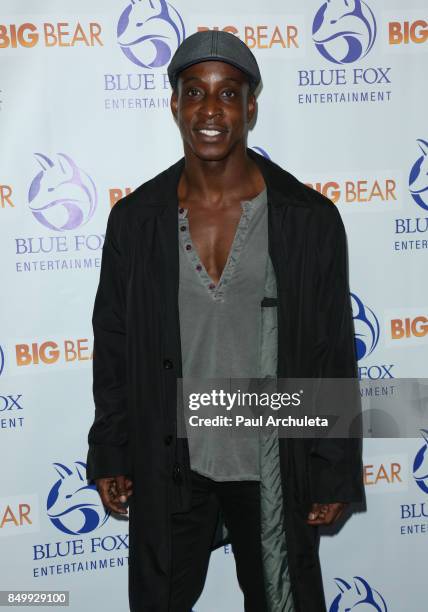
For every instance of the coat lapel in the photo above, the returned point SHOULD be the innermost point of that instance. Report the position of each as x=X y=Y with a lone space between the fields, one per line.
x=282 y=190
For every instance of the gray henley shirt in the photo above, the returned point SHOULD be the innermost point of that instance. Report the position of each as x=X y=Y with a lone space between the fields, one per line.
x=222 y=335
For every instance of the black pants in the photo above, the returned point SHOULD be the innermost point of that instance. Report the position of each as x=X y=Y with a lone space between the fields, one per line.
x=192 y=536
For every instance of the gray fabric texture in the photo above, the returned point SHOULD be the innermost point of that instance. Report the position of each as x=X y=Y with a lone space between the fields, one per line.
x=274 y=546
x=220 y=329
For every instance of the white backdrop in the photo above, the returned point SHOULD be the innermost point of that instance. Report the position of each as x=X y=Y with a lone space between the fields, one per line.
x=84 y=118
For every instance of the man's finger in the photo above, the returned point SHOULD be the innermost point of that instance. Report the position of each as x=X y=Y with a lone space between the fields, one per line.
x=129 y=487
x=121 y=489
x=326 y=514
x=328 y=517
x=314 y=512
x=108 y=493
x=112 y=506
x=107 y=489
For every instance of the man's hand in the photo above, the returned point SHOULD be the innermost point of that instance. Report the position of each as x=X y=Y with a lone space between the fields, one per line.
x=114 y=492
x=325 y=514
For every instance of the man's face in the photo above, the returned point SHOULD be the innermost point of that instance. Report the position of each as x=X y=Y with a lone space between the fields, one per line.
x=212 y=106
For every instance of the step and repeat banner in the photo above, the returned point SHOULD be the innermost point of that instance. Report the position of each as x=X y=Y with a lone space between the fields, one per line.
x=85 y=119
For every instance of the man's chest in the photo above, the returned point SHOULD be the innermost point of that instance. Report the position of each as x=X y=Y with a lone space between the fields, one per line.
x=212 y=233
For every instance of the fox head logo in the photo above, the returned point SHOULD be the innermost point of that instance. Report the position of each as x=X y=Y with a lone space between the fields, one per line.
x=367 y=328
x=149 y=32
x=344 y=31
x=62 y=196
x=73 y=506
x=359 y=596
x=418 y=179
x=420 y=464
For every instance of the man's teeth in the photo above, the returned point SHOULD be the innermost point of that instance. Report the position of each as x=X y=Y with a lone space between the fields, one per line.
x=210 y=132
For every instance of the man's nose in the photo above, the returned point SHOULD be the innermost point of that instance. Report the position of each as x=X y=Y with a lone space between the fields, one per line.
x=211 y=106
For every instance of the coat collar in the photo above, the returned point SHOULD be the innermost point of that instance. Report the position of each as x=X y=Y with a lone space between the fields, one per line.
x=283 y=189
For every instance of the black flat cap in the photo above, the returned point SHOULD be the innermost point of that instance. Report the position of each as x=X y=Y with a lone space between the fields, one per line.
x=214 y=45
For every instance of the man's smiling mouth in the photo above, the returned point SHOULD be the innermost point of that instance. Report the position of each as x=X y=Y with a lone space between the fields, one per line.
x=210 y=131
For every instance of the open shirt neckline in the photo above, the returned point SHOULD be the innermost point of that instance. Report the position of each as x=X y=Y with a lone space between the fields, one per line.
x=217 y=291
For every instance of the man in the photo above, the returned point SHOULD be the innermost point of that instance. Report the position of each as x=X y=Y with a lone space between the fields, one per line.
x=221 y=243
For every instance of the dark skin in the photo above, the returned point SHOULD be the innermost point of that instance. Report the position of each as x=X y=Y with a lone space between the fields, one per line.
x=218 y=175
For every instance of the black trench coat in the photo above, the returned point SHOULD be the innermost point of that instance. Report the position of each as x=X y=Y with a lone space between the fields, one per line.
x=137 y=360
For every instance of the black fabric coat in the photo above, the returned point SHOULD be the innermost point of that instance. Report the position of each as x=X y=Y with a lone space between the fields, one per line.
x=137 y=360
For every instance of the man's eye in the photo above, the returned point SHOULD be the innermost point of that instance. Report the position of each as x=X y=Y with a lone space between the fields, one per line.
x=193 y=91
x=229 y=93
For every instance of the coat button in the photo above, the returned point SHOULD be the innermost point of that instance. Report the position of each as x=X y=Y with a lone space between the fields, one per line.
x=168 y=439
x=176 y=474
x=167 y=364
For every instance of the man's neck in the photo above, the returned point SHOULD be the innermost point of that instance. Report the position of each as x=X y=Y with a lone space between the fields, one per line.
x=215 y=182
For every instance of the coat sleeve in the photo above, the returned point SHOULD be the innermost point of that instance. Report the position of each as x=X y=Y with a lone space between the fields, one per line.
x=335 y=464
x=108 y=436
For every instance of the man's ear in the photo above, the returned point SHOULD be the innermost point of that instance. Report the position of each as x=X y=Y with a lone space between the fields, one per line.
x=251 y=106
x=174 y=103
